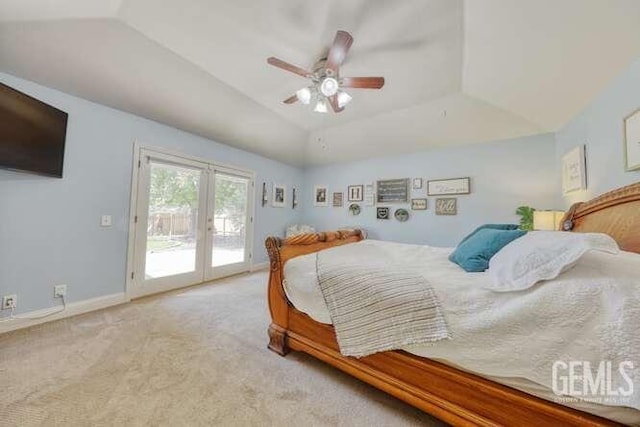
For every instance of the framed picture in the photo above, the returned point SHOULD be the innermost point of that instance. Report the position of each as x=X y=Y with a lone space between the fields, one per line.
x=447 y=206
x=338 y=199
x=355 y=193
x=265 y=198
x=574 y=170
x=393 y=190
x=279 y=196
x=294 y=199
x=382 y=213
x=419 y=204
x=354 y=209
x=632 y=141
x=320 y=196
x=417 y=183
x=444 y=187
x=369 y=195
x=401 y=215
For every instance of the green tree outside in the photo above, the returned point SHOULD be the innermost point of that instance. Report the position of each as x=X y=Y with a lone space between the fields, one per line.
x=173 y=189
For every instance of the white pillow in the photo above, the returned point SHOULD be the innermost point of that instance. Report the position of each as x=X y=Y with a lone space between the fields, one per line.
x=542 y=255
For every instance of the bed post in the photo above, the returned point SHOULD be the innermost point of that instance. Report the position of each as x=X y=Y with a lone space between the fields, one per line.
x=278 y=303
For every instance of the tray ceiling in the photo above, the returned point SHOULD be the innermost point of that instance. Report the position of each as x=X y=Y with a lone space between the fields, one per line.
x=456 y=72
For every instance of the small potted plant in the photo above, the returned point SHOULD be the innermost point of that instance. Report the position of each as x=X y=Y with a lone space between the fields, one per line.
x=526 y=217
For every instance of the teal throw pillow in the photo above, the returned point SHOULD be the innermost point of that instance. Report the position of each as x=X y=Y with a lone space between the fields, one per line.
x=474 y=253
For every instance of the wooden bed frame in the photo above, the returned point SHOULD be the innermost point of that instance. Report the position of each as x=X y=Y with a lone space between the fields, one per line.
x=455 y=396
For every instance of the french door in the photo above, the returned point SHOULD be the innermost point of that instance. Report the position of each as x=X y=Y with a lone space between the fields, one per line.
x=193 y=222
x=228 y=250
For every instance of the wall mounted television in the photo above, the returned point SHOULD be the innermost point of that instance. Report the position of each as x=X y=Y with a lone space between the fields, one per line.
x=32 y=134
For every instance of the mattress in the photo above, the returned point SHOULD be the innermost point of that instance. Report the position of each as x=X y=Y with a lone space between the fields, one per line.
x=302 y=290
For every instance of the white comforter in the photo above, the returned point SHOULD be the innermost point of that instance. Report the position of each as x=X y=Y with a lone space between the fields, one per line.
x=591 y=313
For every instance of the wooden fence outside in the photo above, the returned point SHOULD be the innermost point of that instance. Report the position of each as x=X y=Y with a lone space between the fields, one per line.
x=174 y=224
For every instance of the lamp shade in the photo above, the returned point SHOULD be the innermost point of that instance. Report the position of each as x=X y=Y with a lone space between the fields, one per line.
x=321 y=106
x=304 y=95
x=547 y=220
x=329 y=86
x=343 y=99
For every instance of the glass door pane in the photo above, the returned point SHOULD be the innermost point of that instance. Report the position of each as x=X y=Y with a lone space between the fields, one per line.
x=230 y=220
x=172 y=221
x=192 y=222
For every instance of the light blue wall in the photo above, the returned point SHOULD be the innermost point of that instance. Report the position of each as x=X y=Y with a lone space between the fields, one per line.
x=600 y=127
x=504 y=175
x=49 y=228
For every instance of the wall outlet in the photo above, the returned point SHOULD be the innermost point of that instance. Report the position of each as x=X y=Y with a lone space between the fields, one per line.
x=105 y=221
x=59 y=291
x=9 y=302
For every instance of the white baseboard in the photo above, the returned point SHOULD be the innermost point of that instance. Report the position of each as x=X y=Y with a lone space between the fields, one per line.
x=260 y=266
x=73 y=309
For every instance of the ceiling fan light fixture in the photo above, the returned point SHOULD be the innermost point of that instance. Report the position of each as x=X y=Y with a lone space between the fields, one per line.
x=326 y=80
x=304 y=95
x=343 y=99
x=321 y=106
x=329 y=86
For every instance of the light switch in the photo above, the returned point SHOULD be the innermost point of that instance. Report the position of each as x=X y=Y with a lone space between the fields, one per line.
x=105 y=221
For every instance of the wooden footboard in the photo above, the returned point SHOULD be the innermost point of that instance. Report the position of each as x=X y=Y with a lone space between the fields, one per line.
x=279 y=252
x=455 y=396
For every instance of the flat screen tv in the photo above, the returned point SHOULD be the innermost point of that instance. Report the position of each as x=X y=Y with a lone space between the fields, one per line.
x=32 y=134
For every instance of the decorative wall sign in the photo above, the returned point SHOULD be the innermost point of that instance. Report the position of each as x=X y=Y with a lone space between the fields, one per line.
x=355 y=193
x=294 y=199
x=337 y=199
x=393 y=190
x=574 y=170
x=401 y=215
x=632 y=141
x=382 y=213
x=265 y=198
x=354 y=209
x=447 y=206
x=320 y=196
x=369 y=195
x=444 y=187
x=419 y=204
x=417 y=183
x=279 y=196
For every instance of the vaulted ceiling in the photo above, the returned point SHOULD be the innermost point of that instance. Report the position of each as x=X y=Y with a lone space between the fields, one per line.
x=456 y=71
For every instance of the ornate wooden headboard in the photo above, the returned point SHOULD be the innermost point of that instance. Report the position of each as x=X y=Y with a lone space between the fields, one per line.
x=616 y=213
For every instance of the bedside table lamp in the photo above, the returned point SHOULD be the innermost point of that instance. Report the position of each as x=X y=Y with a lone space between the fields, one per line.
x=547 y=220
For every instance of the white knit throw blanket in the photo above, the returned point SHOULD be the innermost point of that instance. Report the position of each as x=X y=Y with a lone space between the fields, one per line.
x=376 y=308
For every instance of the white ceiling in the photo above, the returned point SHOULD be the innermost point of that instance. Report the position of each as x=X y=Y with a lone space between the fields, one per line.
x=456 y=72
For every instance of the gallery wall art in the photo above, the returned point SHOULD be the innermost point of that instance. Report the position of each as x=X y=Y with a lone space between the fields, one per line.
x=574 y=170
x=450 y=186
x=632 y=141
x=447 y=206
x=393 y=190
x=320 y=195
x=279 y=196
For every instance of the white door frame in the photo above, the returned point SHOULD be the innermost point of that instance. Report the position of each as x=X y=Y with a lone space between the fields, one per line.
x=131 y=285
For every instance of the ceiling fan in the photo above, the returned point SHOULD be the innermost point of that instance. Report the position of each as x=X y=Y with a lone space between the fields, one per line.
x=327 y=85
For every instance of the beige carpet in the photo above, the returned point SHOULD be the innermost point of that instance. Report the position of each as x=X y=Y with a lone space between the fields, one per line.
x=192 y=357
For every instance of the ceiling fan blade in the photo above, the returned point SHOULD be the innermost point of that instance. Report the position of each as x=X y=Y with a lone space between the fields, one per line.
x=291 y=100
x=338 y=51
x=288 y=67
x=363 y=82
x=333 y=100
